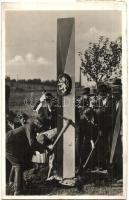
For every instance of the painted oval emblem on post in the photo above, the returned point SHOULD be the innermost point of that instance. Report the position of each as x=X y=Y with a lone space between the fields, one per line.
x=64 y=84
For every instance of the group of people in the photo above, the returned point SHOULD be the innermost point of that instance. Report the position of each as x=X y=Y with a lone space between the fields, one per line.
x=25 y=136
x=98 y=128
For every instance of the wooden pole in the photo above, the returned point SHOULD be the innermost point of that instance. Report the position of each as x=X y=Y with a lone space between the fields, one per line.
x=66 y=106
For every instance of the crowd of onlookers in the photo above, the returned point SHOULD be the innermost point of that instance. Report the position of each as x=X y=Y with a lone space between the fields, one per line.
x=99 y=129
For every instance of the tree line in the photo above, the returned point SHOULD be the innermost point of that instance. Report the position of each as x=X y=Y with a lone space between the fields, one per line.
x=32 y=81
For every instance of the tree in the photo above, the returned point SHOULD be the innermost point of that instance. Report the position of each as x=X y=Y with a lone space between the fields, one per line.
x=102 y=60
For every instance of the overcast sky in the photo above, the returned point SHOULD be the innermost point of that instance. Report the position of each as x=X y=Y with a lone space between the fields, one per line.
x=31 y=39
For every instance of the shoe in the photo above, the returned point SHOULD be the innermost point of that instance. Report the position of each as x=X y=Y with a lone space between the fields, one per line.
x=11 y=184
x=100 y=171
x=17 y=193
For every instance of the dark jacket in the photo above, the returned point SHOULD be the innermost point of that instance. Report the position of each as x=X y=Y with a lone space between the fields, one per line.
x=21 y=144
x=18 y=148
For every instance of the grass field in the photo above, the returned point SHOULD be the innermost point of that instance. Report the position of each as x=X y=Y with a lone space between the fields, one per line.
x=23 y=101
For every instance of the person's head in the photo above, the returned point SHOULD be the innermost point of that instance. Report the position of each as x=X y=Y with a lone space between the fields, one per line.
x=116 y=92
x=117 y=89
x=32 y=122
x=42 y=139
x=86 y=92
x=24 y=118
x=39 y=122
x=45 y=112
x=49 y=97
x=12 y=117
x=102 y=90
x=93 y=92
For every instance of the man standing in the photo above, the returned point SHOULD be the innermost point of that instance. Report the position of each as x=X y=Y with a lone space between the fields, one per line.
x=86 y=129
x=101 y=111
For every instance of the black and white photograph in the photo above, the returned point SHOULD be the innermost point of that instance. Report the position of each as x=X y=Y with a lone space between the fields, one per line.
x=64 y=103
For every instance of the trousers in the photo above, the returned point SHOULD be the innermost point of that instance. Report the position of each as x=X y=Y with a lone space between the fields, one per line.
x=16 y=176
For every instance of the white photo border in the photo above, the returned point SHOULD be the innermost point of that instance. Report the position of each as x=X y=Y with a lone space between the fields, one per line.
x=84 y=6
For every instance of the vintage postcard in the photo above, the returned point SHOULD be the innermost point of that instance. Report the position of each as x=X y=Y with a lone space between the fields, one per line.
x=64 y=101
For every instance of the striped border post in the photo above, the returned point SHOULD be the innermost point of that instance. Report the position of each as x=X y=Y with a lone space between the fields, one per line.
x=66 y=105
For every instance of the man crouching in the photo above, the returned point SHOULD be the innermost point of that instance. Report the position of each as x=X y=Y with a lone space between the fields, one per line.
x=21 y=144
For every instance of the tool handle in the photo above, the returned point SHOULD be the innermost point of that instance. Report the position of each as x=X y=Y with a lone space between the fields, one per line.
x=91 y=151
x=61 y=133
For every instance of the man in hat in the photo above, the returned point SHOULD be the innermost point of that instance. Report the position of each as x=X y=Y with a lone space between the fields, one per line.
x=101 y=110
x=83 y=101
x=85 y=97
x=86 y=129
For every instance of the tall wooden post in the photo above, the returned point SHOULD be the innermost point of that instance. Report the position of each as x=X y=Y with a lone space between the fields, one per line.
x=66 y=105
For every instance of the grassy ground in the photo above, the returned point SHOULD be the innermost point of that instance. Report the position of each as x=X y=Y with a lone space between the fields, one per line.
x=23 y=101
x=35 y=184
